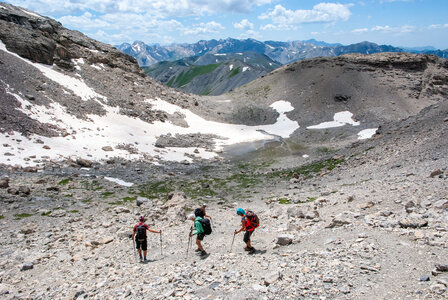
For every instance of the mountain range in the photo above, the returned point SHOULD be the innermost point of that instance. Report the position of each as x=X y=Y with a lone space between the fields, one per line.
x=281 y=52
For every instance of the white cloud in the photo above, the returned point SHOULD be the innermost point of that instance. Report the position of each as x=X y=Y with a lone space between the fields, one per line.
x=389 y=29
x=321 y=13
x=360 y=30
x=250 y=34
x=278 y=27
x=438 y=26
x=160 y=8
x=244 y=25
x=203 y=28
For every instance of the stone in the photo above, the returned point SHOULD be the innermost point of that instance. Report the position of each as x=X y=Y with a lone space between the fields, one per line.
x=284 y=239
x=413 y=222
x=441 y=268
x=28 y=228
x=107 y=240
x=121 y=209
x=24 y=190
x=272 y=278
x=441 y=204
x=27 y=266
x=367 y=205
x=84 y=162
x=78 y=294
x=295 y=212
x=409 y=206
x=141 y=200
x=340 y=220
x=424 y=278
x=438 y=288
x=436 y=173
x=4 y=183
x=107 y=148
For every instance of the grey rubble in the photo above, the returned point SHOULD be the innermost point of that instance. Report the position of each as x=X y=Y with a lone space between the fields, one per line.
x=370 y=228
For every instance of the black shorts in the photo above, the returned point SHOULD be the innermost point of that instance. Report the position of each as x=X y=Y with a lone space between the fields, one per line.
x=200 y=236
x=143 y=244
x=247 y=235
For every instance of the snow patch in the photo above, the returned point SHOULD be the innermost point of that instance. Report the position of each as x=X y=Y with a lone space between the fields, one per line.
x=32 y=14
x=220 y=54
x=77 y=86
x=340 y=119
x=366 y=133
x=245 y=69
x=230 y=67
x=119 y=181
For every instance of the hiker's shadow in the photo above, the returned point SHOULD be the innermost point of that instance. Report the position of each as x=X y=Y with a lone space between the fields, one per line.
x=261 y=252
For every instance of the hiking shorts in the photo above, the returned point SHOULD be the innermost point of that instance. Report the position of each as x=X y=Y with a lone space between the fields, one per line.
x=200 y=236
x=143 y=244
x=247 y=235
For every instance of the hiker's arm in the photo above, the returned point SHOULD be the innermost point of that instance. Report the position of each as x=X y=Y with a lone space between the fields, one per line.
x=243 y=227
x=133 y=232
x=207 y=216
x=155 y=231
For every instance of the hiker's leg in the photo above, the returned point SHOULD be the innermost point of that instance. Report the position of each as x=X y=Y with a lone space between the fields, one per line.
x=246 y=239
x=198 y=242
x=144 y=248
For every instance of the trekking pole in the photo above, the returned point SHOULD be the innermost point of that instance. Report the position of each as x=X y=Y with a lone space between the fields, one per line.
x=135 y=250
x=189 y=239
x=161 y=253
x=231 y=246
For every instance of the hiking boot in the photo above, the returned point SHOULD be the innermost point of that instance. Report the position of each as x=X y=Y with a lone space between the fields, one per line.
x=246 y=248
x=145 y=261
x=203 y=253
x=252 y=250
x=198 y=250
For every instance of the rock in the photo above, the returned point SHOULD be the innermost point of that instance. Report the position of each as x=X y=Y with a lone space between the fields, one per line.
x=58 y=213
x=13 y=191
x=284 y=239
x=28 y=228
x=176 y=213
x=77 y=294
x=413 y=222
x=259 y=288
x=441 y=268
x=441 y=204
x=295 y=212
x=121 y=209
x=4 y=183
x=141 y=200
x=84 y=162
x=409 y=206
x=176 y=199
x=27 y=266
x=436 y=173
x=46 y=147
x=272 y=277
x=340 y=220
x=107 y=240
x=107 y=148
x=424 y=278
x=24 y=190
x=438 y=288
x=367 y=204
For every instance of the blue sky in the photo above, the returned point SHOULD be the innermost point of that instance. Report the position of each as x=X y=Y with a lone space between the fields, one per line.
x=395 y=22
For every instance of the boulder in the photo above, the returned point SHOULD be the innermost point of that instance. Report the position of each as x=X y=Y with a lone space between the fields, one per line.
x=176 y=199
x=284 y=239
x=84 y=162
x=435 y=173
x=121 y=209
x=295 y=212
x=4 y=183
x=107 y=148
x=28 y=228
x=413 y=221
x=27 y=266
x=24 y=190
x=441 y=204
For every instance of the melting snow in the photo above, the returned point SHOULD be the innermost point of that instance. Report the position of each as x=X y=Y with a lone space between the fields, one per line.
x=220 y=54
x=340 y=119
x=77 y=86
x=245 y=69
x=119 y=181
x=31 y=14
x=366 y=133
x=231 y=67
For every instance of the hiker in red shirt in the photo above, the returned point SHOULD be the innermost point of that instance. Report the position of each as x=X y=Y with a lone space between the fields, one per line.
x=139 y=233
x=249 y=222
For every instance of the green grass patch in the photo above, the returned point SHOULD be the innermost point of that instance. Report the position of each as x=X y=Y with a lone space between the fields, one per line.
x=107 y=194
x=284 y=201
x=206 y=92
x=92 y=185
x=234 y=72
x=65 y=181
x=311 y=199
x=47 y=213
x=118 y=202
x=129 y=199
x=194 y=71
x=171 y=81
x=73 y=211
x=306 y=170
x=22 y=216
x=86 y=201
x=2 y=217
x=68 y=196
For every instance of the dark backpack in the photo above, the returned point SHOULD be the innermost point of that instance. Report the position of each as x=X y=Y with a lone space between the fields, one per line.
x=253 y=218
x=141 y=232
x=206 y=225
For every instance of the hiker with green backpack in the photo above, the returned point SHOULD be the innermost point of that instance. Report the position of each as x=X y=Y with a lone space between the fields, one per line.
x=139 y=233
x=202 y=228
x=249 y=221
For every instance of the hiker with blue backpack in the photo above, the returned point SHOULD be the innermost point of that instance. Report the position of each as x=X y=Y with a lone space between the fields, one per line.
x=139 y=233
x=202 y=228
x=249 y=221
